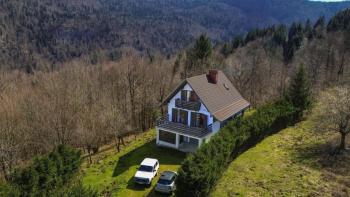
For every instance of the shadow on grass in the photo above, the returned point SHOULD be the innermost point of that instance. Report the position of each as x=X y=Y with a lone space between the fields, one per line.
x=322 y=156
x=334 y=168
x=149 y=150
x=153 y=193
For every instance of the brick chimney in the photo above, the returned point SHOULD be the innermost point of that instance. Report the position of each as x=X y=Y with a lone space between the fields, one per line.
x=213 y=76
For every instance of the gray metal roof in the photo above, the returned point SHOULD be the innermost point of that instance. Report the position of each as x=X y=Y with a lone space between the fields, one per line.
x=167 y=175
x=221 y=99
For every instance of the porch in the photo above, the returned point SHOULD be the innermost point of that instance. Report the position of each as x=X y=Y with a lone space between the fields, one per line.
x=189 y=146
x=184 y=143
x=180 y=136
x=197 y=132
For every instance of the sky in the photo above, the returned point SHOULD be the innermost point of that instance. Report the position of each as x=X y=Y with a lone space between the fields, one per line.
x=330 y=0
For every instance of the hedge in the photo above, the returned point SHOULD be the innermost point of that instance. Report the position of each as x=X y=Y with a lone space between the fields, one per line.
x=46 y=174
x=200 y=171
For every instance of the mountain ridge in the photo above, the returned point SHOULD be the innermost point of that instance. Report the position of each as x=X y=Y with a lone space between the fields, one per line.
x=45 y=31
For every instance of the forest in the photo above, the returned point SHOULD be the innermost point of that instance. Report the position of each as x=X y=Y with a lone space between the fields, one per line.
x=42 y=34
x=88 y=101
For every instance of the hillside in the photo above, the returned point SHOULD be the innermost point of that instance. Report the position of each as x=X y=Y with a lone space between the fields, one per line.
x=37 y=33
x=294 y=162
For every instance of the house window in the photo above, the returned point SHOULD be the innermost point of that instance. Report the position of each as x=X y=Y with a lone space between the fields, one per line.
x=175 y=115
x=184 y=95
x=193 y=97
x=199 y=120
x=167 y=137
x=183 y=117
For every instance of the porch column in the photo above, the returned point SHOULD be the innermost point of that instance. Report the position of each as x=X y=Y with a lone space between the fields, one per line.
x=189 y=118
x=177 y=141
x=199 y=142
x=157 y=134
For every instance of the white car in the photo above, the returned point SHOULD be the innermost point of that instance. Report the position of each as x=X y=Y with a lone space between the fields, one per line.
x=147 y=171
x=166 y=182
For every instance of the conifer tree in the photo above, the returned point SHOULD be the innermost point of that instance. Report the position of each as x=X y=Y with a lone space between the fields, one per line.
x=308 y=30
x=198 y=57
x=319 y=28
x=299 y=92
x=202 y=48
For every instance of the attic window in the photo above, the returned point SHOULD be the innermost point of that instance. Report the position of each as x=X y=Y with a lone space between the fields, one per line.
x=226 y=86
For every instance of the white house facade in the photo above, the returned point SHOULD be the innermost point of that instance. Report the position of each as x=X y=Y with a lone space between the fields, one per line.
x=197 y=109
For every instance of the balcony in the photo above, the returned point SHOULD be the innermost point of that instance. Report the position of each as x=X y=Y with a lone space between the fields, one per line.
x=189 y=105
x=164 y=123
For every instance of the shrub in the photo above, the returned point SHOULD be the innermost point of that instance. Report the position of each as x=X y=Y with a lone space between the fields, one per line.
x=200 y=171
x=47 y=173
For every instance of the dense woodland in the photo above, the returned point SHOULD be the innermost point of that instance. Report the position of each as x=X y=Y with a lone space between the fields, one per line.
x=87 y=103
x=41 y=34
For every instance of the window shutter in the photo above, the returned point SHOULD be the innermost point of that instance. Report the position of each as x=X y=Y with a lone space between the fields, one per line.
x=193 y=119
x=184 y=95
x=175 y=115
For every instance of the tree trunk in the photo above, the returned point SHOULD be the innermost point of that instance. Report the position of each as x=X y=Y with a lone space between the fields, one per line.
x=342 y=141
x=117 y=144
x=90 y=160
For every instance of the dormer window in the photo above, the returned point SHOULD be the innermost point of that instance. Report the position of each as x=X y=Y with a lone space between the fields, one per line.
x=187 y=95
x=193 y=97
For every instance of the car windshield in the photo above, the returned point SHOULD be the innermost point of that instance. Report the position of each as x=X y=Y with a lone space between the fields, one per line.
x=146 y=168
x=164 y=182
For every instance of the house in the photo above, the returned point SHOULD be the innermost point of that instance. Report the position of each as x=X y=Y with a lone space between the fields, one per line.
x=197 y=109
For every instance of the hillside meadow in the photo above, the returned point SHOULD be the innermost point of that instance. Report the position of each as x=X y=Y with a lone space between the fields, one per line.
x=294 y=162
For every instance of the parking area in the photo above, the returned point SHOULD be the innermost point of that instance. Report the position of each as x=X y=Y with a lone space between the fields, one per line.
x=112 y=173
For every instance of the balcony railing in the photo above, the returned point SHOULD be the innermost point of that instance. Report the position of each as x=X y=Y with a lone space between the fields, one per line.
x=166 y=124
x=190 y=105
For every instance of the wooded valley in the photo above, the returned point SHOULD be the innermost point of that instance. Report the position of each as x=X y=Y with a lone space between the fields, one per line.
x=87 y=92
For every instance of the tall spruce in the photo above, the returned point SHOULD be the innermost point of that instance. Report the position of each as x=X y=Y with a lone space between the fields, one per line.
x=299 y=92
x=202 y=48
x=198 y=57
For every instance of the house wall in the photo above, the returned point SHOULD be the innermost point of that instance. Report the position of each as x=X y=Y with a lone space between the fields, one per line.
x=216 y=127
x=202 y=110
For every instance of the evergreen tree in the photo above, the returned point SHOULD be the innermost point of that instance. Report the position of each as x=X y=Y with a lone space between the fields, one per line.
x=198 y=58
x=226 y=50
x=319 y=27
x=47 y=173
x=308 y=31
x=295 y=40
x=299 y=92
x=237 y=42
x=280 y=35
x=202 y=48
x=339 y=22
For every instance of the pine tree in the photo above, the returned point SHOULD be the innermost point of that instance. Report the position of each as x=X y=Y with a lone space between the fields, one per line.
x=237 y=42
x=198 y=58
x=226 y=50
x=319 y=28
x=308 y=31
x=299 y=92
x=202 y=48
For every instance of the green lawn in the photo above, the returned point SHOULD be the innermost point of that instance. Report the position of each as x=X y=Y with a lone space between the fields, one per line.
x=294 y=162
x=112 y=172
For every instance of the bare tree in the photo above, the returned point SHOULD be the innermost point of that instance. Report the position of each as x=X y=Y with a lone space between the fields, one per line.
x=332 y=112
x=10 y=134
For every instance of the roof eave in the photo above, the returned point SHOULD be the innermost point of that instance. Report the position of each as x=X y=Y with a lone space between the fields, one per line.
x=172 y=94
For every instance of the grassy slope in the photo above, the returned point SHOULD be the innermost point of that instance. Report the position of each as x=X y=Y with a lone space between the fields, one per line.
x=294 y=162
x=112 y=174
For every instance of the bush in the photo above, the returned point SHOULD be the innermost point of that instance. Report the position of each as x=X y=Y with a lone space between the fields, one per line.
x=200 y=171
x=47 y=173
